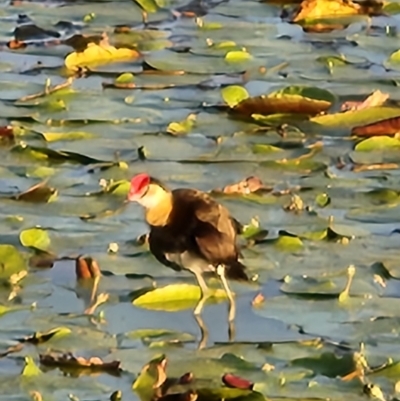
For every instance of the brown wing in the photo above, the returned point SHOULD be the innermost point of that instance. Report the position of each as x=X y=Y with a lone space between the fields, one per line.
x=213 y=228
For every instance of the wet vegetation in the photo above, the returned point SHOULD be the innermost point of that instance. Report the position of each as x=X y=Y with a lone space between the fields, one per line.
x=287 y=112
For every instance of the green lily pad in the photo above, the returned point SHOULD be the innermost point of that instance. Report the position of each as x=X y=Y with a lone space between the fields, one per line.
x=66 y=136
x=151 y=377
x=310 y=92
x=125 y=78
x=182 y=127
x=30 y=369
x=357 y=117
x=36 y=238
x=153 y=336
x=53 y=334
x=322 y=200
x=378 y=143
x=11 y=261
x=174 y=297
x=327 y=364
x=237 y=56
x=234 y=94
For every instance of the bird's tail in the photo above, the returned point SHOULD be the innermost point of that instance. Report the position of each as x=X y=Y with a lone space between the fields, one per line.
x=236 y=271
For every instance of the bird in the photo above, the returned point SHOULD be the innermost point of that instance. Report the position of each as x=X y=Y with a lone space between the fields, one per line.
x=189 y=230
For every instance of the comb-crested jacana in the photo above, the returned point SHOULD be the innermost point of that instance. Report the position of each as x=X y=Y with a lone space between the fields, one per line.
x=190 y=230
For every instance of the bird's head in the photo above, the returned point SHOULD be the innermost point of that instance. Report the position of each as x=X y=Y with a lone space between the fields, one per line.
x=147 y=191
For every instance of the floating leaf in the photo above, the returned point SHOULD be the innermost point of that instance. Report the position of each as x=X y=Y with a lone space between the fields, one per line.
x=288 y=243
x=149 y=336
x=322 y=200
x=66 y=136
x=377 y=98
x=327 y=364
x=86 y=268
x=238 y=56
x=389 y=370
x=236 y=382
x=320 y=287
x=388 y=126
x=224 y=44
x=38 y=193
x=95 y=54
x=151 y=377
x=234 y=94
x=6 y=134
x=356 y=117
x=265 y=105
x=36 y=238
x=78 y=362
x=245 y=187
x=11 y=261
x=394 y=57
x=310 y=92
x=174 y=297
x=59 y=156
x=383 y=195
x=30 y=369
x=150 y=6
x=253 y=231
x=41 y=337
x=182 y=127
x=125 y=78
x=378 y=143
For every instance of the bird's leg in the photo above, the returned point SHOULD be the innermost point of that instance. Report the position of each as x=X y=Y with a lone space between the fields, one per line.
x=203 y=290
x=232 y=306
x=203 y=332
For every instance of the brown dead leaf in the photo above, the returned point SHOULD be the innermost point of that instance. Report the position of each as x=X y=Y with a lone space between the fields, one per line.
x=378 y=166
x=30 y=31
x=186 y=378
x=37 y=193
x=390 y=126
x=86 y=268
x=80 y=42
x=16 y=44
x=122 y=29
x=68 y=360
x=43 y=260
x=314 y=9
x=370 y=7
x=14 y=348
x=119 y=85
x=233 y=381
x=6 y=134
x=296 y=204
x=258 y=299
x=36 y=396
x=286 y=104
x=377 y=98
x=161 y=373
x=247 y=186
x=323 y=28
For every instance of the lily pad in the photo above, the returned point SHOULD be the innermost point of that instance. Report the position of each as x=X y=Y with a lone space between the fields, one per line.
x=36 y=238
x=11 y=261
x=174 y=297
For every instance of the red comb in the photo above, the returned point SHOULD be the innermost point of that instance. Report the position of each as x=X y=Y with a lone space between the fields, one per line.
x=139 y=181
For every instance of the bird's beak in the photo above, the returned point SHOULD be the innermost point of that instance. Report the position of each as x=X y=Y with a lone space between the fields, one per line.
x=133 y=196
